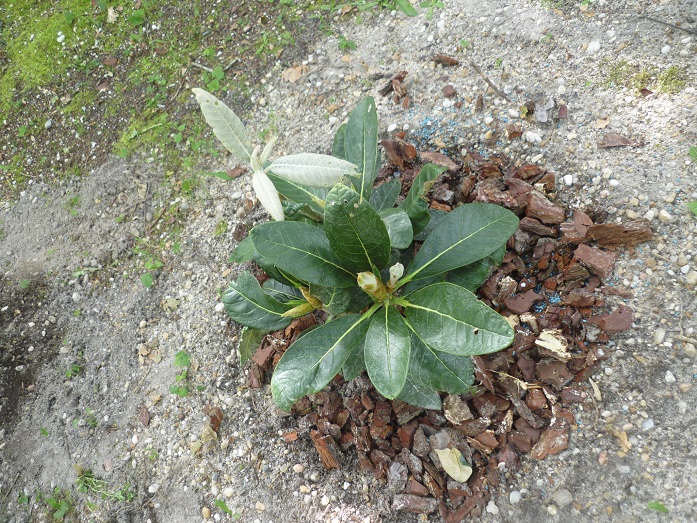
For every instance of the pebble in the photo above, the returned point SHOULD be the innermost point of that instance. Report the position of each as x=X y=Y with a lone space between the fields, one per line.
x=685 y=269
x=665 y=49
x=229 y=492
x=623 y=469
x=659 y=335
x=664 y=216
x=314 y=476
x=48 y=124
x=259 y=506
x=568 y=180
x=206 y=512
x=515 y=496
x=488 y=120
x=650 y=215
x=552 y=510
x=670 y=377
x=532 y=137
x=219 y=307
x=154 y=488
x=60 y=39
x=691 y=278
x=690 y=350
x=143 y=324
x=647 y=424
x=324 y=501
x=561 y=89
x=562 y=497
x=491 y=507
x=391 y=127
x=298 y=468
x=593 y=47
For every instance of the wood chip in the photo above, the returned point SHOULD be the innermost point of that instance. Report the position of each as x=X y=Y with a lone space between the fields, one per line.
x=327 y=449
x=617 y=140
x=445 y=60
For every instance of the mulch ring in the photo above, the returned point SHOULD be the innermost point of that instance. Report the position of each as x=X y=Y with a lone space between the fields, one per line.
x=550 y=288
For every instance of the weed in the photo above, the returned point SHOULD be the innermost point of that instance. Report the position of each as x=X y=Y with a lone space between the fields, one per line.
x=43 y=432
x=72 y=203
x=464 y=44
x=88 y=483
x=181 y=359
x=24 y=284
x=432 y=5
x=59 y=502
x=220 y=228
x=91 y=418
x=671 y=80
x=73 y=371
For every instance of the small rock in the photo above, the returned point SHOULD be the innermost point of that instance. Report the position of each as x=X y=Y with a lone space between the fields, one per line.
x=229 y=492
x=48 y=124
x=491 y=507
x=659 y=335
x=691 y=278
x=154 y=488
x=391 y=127
x=514 y=497
x=670 y=377
x=60 y=39
x=325 y=501
x=532 y=137
x=219 y=307
x=259 y=506
x=665 y=49
x=690 y=350
x=143 y=324
x=623 y=469
x=206 y=512
x=647 y=424
x=593 y=47
x=314 y=477
x=568 y=180
x=552 y=510
x=664 y=216
x=298 y=469
x=562 y=497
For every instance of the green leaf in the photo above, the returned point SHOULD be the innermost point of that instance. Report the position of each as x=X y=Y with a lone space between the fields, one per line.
x=467 y=234
x=219 y=174
x=470 y=276
x=692 y=151
x=415 y=203
x=281 y=291
x=147 y=280
x=269 y=268
x=435 y=216
x=356 y=233
x=137 y=17
x=338 y=148
x=361 y=144
x=315 y=358
x=250 y=339
x=385 y=196
x=63 y=509
x=247 y=304
x=301 y=250
x=334 y=300
x=317 y=170
x=244 y=251
x=452 y=319
x=225 y=124
x=182 y=359
x=222 y=506
x=692 y=207
x=406 y=7
x=657 y=506
x=355 y=364
x=398 y=226
x=419 y=395
x=386 y=351
x=439 y=371
x=303 y=194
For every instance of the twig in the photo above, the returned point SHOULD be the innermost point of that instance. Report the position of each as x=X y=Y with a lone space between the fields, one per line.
x=692 y=31
x=196 y=64
x=11 y=486
x=680 y=337
x=491 y=84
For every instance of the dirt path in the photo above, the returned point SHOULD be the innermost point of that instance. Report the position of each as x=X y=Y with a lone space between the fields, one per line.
x=88 y=350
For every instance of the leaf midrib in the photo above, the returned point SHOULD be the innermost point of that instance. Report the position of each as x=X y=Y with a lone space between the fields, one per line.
x=291 y=247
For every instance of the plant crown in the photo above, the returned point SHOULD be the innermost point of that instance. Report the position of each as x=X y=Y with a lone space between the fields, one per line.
x=347 y=249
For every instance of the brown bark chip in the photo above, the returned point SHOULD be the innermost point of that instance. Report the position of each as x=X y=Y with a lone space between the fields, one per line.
x=412 y=503
x=621 y=234
x=552 y=441
x=598 y=261
x=544 y=210
x=619 y=320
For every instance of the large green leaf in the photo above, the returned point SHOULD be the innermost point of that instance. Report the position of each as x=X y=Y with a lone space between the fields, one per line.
x=440 y=371
x=361 y=143
x=318 y=170
x=419 y=395
x=435 y=216
x=452 y=319
x=334 y=300
x=250 y=339
x=355 y=364
x=470 y=276
x=315 y=358
x=386 y=351
x=338 y=146
x=281 y=291
x=301 y=250
x=247 y=304
x=385 y=196
x=304 y=194
x=244 y=252
x=225 y=124
x=467 y=234
x=398 y=227
x=356 y=233
x=415 y=203
x=406 y=7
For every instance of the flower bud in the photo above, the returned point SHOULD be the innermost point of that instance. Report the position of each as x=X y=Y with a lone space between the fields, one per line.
x=396 y=272
x=372 y=285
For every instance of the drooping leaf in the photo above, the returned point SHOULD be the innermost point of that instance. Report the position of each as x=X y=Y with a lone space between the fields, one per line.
x=225 y=124
x=302 y=194
x=467 y=234
x=317 y=170
x=454 y=464
x=244 y=251
x=385 y=195
x=315 y=358
x=356 y=233
x=415 y=203
x=338 y=148
x=250 y=339
x=361 y=144
x=452 y=319
x=386 y=351
x=334 y=300
x=247 y=304
x=301 y=250
x=268 y=195
x=439 y=371
x=271 y=270
x=398 y=226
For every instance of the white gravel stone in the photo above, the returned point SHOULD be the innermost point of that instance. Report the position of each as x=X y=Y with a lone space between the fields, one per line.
x=229 y=492
x=324 y=501
x=568 y=180
x=532 y=137
x=552 y=510
x=670 y=377
x=664 y=216
x=391 y=127
x=299 y=468
x=623 y=469
x=154 y=488
x=647 y=424
x=593 y=47
x=659 y=335
x=562 y=497
x=691 y=278
x=491 y=507
x=219 y=307
x=514 y=497
x=650 y=215
x=488 y=120
x=665 y=49
x=685 y=269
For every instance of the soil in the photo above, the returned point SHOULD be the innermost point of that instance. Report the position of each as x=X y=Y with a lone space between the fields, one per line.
x=88 y=350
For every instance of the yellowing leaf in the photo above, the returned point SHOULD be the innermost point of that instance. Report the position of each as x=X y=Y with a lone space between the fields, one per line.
x=454 y=464
x=293 y=74
x=111 y=16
